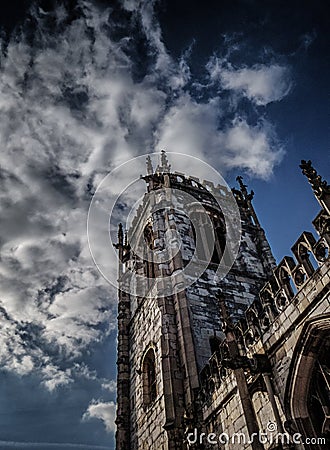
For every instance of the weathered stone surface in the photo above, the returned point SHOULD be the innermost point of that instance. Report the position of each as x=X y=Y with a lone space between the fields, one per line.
x=279 y=320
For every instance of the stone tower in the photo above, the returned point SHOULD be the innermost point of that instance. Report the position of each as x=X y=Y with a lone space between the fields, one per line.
x=169 y=319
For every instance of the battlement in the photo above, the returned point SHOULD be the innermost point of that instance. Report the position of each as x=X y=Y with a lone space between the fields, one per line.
x=292 y=287
x=178 y=180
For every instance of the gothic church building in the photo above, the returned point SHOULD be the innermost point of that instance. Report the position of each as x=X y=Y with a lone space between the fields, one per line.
x=241 y=355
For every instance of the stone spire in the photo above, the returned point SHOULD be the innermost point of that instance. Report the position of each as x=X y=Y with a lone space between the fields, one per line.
x=320 y=187
x=265 y=251
x=247 y=197
x=164 y=165
x=150 y=169
x=123 y=372
x=120 y=234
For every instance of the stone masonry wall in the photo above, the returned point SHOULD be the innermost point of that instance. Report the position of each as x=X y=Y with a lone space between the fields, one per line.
x=269 y=320
x=241 y=286
x=147 y=430
x=223 y=416
x=222 y=411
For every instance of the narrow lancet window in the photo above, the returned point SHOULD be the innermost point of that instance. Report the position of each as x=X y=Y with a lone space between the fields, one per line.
x=149 y=378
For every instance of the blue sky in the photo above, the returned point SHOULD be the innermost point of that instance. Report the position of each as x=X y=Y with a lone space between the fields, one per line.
x=86 y=85
x=289 y=33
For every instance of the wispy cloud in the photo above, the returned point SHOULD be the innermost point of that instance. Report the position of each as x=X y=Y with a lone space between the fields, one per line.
x=194 y=128
x=105 y=411
x=262 y=83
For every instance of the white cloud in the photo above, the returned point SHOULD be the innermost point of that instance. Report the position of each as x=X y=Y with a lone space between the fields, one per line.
x=71 y=109
x=190 y=127
x=261 y=83
x=111 y=385
x=60 y=109
x=253 y=148
x=53 y=377
x=105 y=411
x=146 y=10
x=193 y=128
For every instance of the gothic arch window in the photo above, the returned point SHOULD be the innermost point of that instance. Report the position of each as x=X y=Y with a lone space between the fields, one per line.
x=209 y=246
x=321 y=251
x=307 y=396
x=149 y=385
x=219 y=235
x=148 y=235
x=287 y=282
x=198 y=231
x=319 y=396
x=219 y=244
x=307 y=258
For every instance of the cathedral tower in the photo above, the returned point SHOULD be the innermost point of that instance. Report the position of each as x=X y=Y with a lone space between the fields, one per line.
x=170 y=277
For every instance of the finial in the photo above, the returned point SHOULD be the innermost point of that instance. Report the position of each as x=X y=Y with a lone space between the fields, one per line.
x=164 y=162
x=246 y=195
x=150 y=169
x=320 y=187
x=120 y=234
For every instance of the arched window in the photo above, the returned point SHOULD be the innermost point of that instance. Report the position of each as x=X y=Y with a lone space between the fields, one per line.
x=148 y=236
x=210 y=244
x=319 y=393
x=149 y=378
x=219 y=244
x=307 y=395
